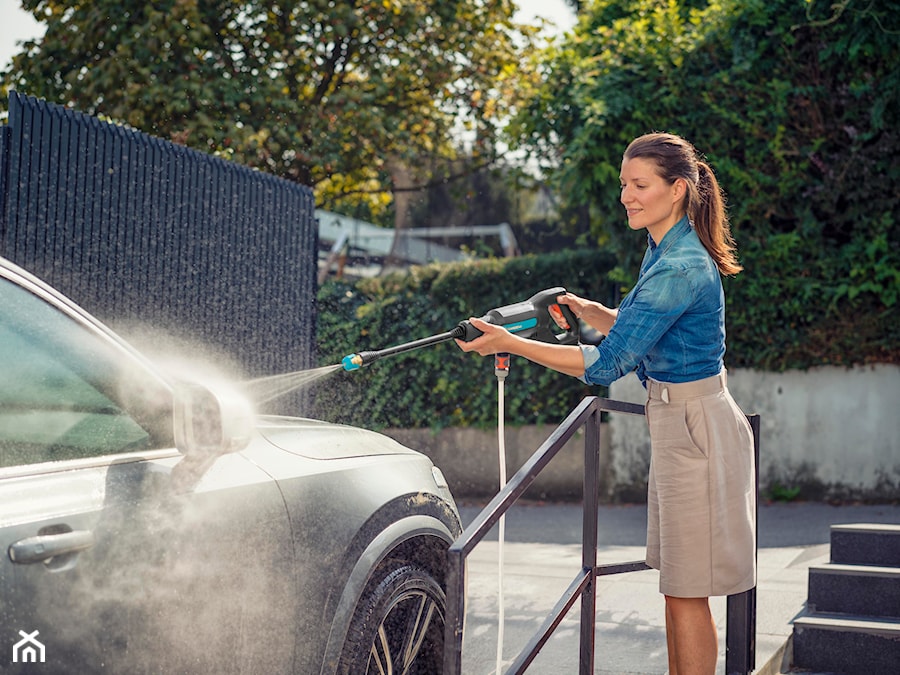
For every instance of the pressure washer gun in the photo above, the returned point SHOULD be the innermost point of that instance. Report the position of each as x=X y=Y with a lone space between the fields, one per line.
x=540 y=317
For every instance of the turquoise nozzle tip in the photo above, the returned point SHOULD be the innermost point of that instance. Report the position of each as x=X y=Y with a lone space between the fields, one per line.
x=351 y=362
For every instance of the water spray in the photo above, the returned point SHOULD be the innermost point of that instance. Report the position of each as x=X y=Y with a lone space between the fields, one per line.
x=540 y=317
x=265 y=389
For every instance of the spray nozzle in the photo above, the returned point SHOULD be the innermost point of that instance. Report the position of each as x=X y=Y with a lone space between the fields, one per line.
x=352 y=361
x=355 y=361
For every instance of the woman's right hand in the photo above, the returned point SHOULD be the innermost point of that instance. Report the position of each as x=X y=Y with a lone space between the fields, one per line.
x=497 y=340
x=491 y=342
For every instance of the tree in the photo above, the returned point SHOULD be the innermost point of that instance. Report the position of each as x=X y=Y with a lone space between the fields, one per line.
x=797 y=106
x=785 y=97
x=320 y=92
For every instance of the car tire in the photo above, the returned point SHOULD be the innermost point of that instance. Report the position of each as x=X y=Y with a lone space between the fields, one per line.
x=398 y=626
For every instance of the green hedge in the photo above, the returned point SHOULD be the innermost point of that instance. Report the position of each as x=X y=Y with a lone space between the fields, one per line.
x=778 y=316
x=796 y=104
x=792 y=310
x=440 y=385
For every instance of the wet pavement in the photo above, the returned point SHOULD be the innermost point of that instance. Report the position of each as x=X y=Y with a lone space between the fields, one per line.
x=542 y=554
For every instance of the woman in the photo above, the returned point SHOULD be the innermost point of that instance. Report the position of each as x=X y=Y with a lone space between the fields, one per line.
x=670 y=329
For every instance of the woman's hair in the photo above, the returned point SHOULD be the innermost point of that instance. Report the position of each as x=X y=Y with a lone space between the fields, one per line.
x=704 y=201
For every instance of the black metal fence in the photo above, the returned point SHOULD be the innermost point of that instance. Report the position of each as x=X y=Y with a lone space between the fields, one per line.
x=140 y=230
x=740 y=640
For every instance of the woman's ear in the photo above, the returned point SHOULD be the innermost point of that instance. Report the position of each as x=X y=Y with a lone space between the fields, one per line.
x=679 y=190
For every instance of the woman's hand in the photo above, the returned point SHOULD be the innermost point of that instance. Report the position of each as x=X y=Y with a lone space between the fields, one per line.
x=574 y=302
x=497 y=340
x=491 y=342
x=592 y=313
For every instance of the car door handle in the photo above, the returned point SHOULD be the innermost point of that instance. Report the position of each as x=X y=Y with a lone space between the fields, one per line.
x=46 y=546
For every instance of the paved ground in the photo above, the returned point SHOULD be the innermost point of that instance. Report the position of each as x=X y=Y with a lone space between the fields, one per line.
x=542 y=555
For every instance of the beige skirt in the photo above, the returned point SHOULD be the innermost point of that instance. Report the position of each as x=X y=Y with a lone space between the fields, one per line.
x=701 y=497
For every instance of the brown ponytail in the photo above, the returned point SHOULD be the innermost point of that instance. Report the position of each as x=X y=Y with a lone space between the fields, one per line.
x=704 y=201
x=707 y=212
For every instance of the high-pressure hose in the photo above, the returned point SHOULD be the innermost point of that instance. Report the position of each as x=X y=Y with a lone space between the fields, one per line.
x=501 y=370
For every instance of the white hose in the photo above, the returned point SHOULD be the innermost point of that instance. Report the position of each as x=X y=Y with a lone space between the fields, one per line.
x=502 y=524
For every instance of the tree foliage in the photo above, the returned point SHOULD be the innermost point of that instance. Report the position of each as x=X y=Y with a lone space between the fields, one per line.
x=795 y=103
x=321 y=92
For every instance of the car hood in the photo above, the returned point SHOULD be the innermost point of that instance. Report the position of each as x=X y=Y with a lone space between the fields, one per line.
x=323 y=440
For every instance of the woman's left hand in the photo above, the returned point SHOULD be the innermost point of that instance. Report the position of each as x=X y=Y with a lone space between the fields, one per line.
x=575 y=303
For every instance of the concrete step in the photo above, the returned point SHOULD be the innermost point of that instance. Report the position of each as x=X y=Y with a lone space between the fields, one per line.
x=866 y=544
x=835 y=643
x=864 y=590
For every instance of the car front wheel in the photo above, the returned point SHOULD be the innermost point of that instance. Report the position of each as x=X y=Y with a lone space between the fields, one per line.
x=398 y=627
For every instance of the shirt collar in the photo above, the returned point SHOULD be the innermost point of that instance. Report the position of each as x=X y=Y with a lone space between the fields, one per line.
x=676 y=232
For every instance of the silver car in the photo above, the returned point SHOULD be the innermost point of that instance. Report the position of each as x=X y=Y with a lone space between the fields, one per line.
x=147 y=525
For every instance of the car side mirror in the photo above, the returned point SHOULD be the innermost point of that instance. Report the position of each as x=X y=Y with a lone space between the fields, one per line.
x=210 y=422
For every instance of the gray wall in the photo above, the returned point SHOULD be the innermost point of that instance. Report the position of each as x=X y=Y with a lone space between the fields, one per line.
x=832 y=433
x=470 y=459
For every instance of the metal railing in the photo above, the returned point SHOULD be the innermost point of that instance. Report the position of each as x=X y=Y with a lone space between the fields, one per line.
x=740 y=640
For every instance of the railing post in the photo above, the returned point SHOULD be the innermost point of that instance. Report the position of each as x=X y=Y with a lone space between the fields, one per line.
x=740 y=622
x=591 y=489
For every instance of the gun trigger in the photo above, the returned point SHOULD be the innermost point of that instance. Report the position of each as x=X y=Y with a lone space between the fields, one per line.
x=559 y=318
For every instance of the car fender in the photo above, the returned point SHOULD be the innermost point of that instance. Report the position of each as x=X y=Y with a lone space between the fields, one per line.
x=387 y=540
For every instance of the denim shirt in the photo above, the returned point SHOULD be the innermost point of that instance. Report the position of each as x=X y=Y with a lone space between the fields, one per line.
x=671 y=326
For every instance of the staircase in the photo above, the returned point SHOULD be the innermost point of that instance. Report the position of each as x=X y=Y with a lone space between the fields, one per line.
x=852 y=621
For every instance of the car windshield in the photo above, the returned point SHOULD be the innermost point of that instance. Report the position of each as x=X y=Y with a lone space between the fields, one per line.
x=70 y=392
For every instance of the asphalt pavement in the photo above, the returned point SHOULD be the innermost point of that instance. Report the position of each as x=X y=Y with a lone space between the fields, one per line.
x=542 y=555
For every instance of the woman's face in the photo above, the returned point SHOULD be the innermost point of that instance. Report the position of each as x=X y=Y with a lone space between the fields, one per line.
x=650 y=202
